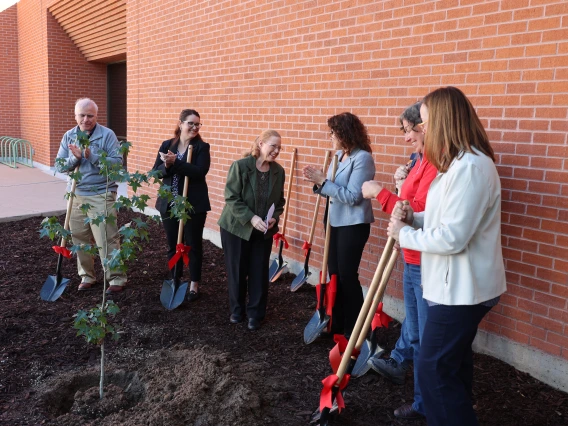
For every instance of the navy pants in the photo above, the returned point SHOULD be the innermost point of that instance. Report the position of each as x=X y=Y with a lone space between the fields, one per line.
x=445 y=364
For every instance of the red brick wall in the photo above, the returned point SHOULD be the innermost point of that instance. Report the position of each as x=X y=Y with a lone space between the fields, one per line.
x=9 y=78
x=251 y=65
x=70 y=77
x=53 y=75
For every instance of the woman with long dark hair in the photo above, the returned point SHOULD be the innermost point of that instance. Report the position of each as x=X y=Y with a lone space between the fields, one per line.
x=350 y=214
x=459 y=235
x=172 y=162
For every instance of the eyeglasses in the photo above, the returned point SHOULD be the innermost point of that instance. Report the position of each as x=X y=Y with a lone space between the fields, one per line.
x=192 y=124
x=89 y=116
x=423 y=124
x=275 y=147
x=331 y=133
x=406 y=130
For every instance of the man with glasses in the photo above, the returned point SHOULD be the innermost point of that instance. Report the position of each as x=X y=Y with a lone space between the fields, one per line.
x=92 y=190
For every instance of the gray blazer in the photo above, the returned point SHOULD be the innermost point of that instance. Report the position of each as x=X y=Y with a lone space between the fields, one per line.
x=347 y=205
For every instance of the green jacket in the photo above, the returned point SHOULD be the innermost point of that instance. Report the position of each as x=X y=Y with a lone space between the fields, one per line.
x=240 y=200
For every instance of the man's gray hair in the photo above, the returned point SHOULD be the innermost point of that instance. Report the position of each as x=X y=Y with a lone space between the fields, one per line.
x=81 y=102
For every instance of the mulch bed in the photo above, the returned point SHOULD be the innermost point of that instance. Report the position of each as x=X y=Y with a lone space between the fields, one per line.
x=190 y=366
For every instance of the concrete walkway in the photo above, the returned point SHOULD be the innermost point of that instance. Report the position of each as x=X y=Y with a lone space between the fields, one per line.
x=38 y=191
x=27 y=192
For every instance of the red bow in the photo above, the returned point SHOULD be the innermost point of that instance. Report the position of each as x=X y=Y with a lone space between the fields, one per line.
x=277 y=237
x=326 y=398
x=182 y=252
x=338 y=350
x=380 y=319
x=306 y=247
x=62 y=251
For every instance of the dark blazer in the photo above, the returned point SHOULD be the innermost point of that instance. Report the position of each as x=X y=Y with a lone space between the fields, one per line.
x=240 y=202
x=197 y=194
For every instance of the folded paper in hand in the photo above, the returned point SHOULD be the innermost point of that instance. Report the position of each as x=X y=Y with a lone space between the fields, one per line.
x=163 y=156
x=269 y=216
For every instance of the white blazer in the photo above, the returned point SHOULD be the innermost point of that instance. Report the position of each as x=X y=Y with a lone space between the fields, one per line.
x=459 y=234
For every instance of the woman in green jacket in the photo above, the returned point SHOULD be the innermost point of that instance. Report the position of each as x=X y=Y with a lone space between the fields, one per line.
x=254 y=184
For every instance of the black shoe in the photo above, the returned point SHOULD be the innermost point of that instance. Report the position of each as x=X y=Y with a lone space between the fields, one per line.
x=389 y=368
x=193 y=295
x=235 y=319
x=407 y=412
x=253 y=324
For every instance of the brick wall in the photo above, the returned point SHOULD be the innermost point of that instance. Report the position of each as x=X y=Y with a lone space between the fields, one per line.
x=251 y=65
x=9 y=78
x=53 y=75
x=70 y=77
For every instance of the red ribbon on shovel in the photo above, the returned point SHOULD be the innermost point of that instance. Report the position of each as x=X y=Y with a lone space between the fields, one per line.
x=326 y=398
x=380 y=319
x=62 y=251
x=306 y=247
x=277 y=237
x=336 y=353
x=181 y=252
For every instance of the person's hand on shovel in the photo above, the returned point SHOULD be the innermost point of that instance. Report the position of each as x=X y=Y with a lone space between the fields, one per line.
x=401 y=216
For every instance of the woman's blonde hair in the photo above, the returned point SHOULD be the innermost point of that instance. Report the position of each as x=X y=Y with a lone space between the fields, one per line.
x=263 y=137
x=453 y=128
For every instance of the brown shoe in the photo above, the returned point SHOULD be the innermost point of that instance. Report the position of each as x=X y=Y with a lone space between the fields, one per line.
x=85 y=286
x=407 y=412
x=114 y=289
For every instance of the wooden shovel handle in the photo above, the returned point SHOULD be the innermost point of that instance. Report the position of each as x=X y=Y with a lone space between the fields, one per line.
x=288 y=192
x=69 y=208
x=328 y=229
x=377 y=297
x=316 y=211
x=185 y=188
x=379 y=273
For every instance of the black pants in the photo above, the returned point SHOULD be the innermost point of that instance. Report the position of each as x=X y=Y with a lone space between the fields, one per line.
x=192 y=236
x=345 y=250
x=445 y=364
x=247 y=265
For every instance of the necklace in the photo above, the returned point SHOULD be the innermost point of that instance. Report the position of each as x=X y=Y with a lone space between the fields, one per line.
x=263 y=175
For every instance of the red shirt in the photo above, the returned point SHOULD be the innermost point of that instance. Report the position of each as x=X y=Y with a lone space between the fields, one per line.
x=414 y=189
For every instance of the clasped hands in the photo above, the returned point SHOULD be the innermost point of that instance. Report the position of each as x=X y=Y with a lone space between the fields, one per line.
x=313 y=174
x=76 y=151
x=260 y=225
x=168 y=159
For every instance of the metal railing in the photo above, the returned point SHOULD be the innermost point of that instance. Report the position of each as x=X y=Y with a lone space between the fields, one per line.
x=14 y=151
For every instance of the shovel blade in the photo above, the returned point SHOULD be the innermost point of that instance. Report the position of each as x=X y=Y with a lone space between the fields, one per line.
x=316 y=415
x=172 y=296
x=315 y=327
x=300 y=280
x=276 y=270
x=368 y=351
x=52 y=289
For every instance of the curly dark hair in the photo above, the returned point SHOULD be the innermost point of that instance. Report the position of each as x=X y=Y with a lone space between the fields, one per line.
x=350 y=131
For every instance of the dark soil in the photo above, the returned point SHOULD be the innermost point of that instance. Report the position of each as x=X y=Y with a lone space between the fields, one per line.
x=190 y=366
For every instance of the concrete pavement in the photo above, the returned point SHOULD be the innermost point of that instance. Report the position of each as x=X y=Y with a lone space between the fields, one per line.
x=27 y=192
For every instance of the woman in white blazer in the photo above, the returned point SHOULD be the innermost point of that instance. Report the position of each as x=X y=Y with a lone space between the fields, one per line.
x=350 y=214
x=459 y=235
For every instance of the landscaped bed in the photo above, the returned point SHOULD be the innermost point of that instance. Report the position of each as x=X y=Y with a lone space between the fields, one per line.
x=189 y=366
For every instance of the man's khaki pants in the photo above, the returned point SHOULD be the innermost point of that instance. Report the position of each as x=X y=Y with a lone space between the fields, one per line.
x=105 y=236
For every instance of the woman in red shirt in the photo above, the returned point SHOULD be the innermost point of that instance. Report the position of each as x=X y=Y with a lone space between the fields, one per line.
x=412 y=182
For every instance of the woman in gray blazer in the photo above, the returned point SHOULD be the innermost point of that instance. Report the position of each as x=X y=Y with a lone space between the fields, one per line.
x=350 y=214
